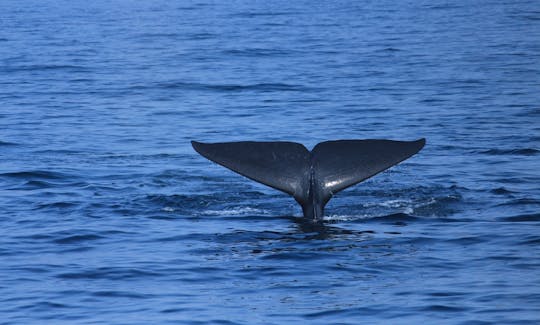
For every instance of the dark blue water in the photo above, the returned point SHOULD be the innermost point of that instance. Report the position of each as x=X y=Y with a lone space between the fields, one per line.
x=109 y=217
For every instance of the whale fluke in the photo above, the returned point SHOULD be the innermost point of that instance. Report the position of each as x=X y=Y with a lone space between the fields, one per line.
x=312 y=178
x=281 y=165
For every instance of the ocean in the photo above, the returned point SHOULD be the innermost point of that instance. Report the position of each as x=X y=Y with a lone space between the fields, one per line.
x=108 y=216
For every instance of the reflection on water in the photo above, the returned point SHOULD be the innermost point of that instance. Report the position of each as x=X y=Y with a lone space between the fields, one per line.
x=323 y=230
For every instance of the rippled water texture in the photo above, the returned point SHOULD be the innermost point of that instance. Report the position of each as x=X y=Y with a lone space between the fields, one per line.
x=109 y=217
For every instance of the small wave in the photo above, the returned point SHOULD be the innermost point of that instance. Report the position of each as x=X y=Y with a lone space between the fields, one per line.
x=113 y=273
x=113 y=156
x=187 y=310
x=36 y=184
x=263 y=14
x=472 y=240
x=256 y=52
x=7 y=144
x=519 y=152
x=389 y=49
x=77 y=239
x=444 y=308
x=157 y=35
x=201 y=36
x=39 y=174
x=45 y=306
x=282 y=254
x=172 y=200
x=47 y=67
x=234 y=212
x=57 y=205
x=437 y=206
x=404 y=204
x=393 y=218
x=444 y=7
x=36 y=269
x=339 y=218
x=531 y=240
x=433 y=100
x=527 y=17
x=397 y=203
x=418 y=201
x=57 y=152
x=522 y=218
x=501 y=190
x=261 y=87
x=120 y=294
x=522 y=201
x=179 y=202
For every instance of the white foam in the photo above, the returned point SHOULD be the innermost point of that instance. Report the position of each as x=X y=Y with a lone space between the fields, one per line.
x=234 y=211
x=344 y=217
x=396 y=203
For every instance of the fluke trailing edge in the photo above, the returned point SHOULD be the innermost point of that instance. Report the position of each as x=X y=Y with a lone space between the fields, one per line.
x=312 y=178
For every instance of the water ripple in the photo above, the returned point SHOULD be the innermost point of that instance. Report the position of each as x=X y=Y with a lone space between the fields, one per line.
x=520 y=152
x=110 y=217
x=534 y=217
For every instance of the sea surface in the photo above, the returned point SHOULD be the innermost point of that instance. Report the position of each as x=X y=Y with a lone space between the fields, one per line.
x=108 y=216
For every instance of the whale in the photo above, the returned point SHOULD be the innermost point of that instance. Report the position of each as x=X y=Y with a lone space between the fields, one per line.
x=313 y=177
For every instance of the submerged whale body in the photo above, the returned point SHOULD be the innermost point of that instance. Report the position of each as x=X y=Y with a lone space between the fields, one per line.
x=311 y=177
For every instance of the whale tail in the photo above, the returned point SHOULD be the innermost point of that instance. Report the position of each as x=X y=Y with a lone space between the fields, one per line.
x=312 y=178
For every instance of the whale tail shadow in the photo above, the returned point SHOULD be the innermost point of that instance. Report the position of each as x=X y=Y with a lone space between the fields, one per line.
x=310 y=177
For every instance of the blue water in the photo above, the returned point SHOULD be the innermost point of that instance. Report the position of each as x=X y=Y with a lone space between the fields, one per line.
x=109 y=217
